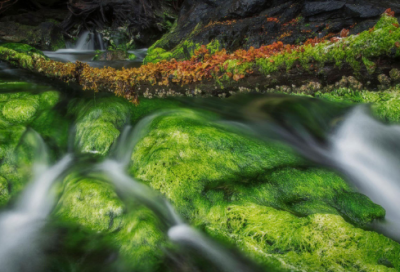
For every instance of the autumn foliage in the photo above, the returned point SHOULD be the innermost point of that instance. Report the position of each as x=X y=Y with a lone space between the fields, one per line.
x=202 y=66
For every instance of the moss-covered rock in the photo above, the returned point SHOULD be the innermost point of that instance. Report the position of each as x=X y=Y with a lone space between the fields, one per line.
x=235 y=188
x=380 y=41
x=20 y=111
x=49 y=99
x=53 y=127
x=4 y=194
x=185 y=153
x=306 y=192
x=384 y=104
x=91 y=204
x=155 y=55
x=98 y=123
x=94 y=206
x=319 y=242
x=22 y=48
x=184 y=50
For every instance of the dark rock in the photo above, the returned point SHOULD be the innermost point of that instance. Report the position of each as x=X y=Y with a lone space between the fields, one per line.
x=314 y=8
x=244 y=23
x=363 y=11
x=113 y=55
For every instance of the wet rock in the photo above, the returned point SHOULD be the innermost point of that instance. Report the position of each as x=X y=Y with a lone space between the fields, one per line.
x=46 y=35
x=364 y=11
x=384 y=80
x=20 y=111
x=98 y=123
x=242 y=24
x=314 y=8
x=112 y=55
x=395 y=75
x=94 y=206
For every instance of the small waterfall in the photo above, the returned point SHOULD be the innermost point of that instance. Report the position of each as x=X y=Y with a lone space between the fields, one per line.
x=367 y=151
x=360 y=147
x=177 y=230
x=21 y=228
x=85 y=42
x=100 y=41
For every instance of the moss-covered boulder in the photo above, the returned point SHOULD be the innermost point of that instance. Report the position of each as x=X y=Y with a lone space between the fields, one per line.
x=20 y=111
x=94 y=206
x=22 y=48
x=320 y=242
x=241 y=190
x=98 y=123
x=185 y=152
x=24 y=104
x=53 y=127
x=308 y=191
x=48 y=99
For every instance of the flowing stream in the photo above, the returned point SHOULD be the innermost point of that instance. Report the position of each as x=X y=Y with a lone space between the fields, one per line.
x=21 y=227
x=87 y=46
x=362 y=149
x=177 y=230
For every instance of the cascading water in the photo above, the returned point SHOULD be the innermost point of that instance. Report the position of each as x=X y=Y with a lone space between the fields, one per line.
x=360 y=147
x=177 y=230
x=85 y=42
x=21 y=228
x=367 y=151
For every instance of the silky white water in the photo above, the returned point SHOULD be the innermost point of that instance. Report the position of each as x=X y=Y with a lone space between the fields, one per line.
x=21 y=228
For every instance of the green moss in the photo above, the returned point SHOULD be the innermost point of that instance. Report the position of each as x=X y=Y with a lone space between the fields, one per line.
x=49 y=99
x=358 y=208
x=182 y=51
x=306 y=192
x=98 y=123
x=351 y=50
x=157 y=54
x=132 y=57
x=249 y=194
x=185 y=153
x=20 y=111
x=91 y=204
x=94 y=206
x=95 y=138
x=4 y=195
x=53 y=127
x=385 y=104
x=22 y=48
x=319 y=242
x=148 y=106
x=236 y=67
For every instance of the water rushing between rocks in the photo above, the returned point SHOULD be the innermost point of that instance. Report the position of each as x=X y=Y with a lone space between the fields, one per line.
x=192 y=185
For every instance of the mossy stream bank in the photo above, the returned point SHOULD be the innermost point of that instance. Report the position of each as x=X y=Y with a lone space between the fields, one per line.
x=259 y=199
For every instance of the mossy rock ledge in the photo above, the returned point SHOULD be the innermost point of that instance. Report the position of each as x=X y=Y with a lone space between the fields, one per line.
x=260 y=197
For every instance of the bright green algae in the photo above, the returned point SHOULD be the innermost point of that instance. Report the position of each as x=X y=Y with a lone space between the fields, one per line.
x=20 y=109
x=259 y=197
x=354 y=50
x=94 y=206
x=309 y=191
x=384 y=104
x=98 y=122
x=319 y=242
x=240 y=190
